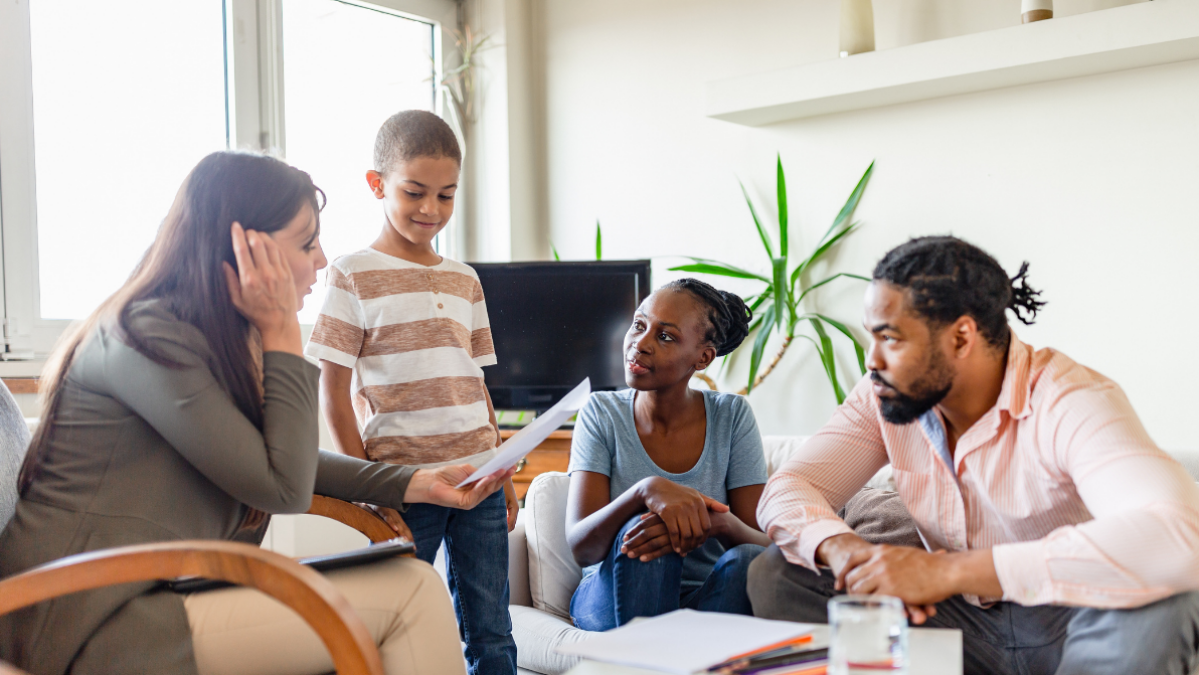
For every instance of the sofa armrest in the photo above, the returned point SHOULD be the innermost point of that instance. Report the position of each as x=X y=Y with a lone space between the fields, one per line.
x=518 y=565
x=538 y=635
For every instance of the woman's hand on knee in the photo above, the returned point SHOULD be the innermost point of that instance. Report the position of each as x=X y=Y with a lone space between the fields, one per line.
x=683 y=510
x=648 y=539
x=440 y=486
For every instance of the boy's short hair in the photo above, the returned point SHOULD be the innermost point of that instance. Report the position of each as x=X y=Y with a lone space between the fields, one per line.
x=414 y=133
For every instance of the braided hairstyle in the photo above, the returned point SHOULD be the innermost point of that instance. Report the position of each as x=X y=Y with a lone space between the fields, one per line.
x=728 y=317
x=947 y=278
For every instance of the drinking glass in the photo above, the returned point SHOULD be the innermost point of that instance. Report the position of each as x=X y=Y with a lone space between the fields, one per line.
x=867 y=634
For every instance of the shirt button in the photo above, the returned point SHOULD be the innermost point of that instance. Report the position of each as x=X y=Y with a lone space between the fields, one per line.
x=440 y=306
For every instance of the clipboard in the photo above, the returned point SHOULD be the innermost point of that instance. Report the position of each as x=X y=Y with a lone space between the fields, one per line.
x=320 y=563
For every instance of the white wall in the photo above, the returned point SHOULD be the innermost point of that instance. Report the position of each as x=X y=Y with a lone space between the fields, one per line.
x=1091 y=179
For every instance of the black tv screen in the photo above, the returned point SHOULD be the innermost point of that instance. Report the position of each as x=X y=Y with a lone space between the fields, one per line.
x=555 y=323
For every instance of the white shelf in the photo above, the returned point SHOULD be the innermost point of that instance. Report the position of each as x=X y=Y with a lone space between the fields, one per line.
x=1121 y=38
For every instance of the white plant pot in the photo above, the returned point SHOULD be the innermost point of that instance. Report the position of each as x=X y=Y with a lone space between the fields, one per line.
x=1035 y=10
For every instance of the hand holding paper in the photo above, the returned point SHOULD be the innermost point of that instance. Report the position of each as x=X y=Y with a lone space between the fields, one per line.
x=443 y=486
x=524 y=441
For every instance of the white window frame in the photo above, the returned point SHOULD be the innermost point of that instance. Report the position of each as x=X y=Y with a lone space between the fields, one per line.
x=254 y=53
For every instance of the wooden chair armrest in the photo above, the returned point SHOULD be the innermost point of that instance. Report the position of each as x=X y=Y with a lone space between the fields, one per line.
x=367 y=522
x=305 y=591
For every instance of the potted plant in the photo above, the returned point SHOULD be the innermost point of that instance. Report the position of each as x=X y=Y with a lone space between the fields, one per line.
x=778 y=306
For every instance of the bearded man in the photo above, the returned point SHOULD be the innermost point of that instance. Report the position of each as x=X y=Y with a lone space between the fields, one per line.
x=1059 y=538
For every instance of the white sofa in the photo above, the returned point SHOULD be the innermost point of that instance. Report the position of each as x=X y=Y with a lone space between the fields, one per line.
x=542 y=573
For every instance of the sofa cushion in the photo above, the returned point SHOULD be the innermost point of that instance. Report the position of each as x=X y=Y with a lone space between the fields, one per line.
x=553 y=573
x=879 y=517
x=779 y=448
x=518 y=562
x=1189 y=460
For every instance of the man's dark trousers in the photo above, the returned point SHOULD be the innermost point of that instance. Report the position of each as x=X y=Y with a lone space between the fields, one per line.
x=1159 y=638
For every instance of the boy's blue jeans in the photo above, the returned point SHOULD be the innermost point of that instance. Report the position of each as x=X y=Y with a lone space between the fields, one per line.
x=476 y=547
x=624 y=588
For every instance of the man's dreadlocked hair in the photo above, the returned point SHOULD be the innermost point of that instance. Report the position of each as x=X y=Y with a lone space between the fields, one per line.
x=728 y=317
x=947 y=278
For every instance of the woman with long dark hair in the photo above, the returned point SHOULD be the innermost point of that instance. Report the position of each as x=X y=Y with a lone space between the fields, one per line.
x=182 y=408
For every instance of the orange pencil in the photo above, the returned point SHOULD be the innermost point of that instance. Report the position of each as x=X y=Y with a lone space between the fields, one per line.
x=769 y=648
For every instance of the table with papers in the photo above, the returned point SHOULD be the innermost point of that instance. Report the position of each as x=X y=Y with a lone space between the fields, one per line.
x=654 y=646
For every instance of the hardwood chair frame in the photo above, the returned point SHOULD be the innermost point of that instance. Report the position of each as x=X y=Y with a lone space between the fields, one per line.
x=367 y=522
x=305 y=591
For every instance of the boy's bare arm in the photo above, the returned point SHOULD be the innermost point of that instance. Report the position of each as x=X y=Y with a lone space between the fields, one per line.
x=510 y=501
x=492 y=418
x=339 y=410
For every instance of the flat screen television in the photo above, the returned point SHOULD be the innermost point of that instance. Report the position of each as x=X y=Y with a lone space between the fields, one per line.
x=554 y=323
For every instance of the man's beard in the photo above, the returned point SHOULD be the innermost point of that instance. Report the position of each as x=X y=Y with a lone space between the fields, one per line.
x=932 y=388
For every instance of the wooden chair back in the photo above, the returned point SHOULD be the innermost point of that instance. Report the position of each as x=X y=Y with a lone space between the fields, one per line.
x=366 y=522
x=305 y=591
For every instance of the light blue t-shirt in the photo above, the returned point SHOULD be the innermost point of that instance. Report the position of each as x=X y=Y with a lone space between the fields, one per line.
x=606 y=441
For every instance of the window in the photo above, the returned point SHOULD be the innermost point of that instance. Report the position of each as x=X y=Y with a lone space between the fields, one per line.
x=128 y=96
x=348 y=68
x=105 y=106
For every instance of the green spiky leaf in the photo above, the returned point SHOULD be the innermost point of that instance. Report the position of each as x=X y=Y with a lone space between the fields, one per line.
x=820 y=251
x=755 y=360
x=705 y=266
x=828 y=358
x=822 y=282
x=782 y=296
x=757 y=222
x=857 y=346
x=553 y=250
x=599 y=242
x=852 y=202
x=761 y=298
x=753 y=326
x=782 y=192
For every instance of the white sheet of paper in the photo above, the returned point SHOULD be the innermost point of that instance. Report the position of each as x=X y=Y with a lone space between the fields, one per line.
x=524 y=441
x=684 y=641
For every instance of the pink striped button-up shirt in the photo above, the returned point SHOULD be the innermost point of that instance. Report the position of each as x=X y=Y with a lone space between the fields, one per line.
x=1059 y=479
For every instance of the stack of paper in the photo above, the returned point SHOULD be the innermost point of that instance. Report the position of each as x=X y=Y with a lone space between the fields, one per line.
x=686 y=641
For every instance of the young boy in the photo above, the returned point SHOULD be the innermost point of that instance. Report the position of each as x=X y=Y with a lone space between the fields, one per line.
x=403 y=334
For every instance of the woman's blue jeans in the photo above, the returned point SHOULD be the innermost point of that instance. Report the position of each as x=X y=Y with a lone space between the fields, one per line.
x=624 y=588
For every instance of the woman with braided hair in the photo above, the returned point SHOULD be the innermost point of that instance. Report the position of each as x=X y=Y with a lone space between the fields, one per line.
x=665 y=479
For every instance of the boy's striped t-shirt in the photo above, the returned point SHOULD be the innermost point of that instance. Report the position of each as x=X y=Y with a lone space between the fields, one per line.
x=416 y=338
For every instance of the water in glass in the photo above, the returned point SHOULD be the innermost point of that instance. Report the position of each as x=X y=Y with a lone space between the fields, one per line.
x=867 y=634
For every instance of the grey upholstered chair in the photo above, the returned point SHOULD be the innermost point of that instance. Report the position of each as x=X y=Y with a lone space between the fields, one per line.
x=14 y=439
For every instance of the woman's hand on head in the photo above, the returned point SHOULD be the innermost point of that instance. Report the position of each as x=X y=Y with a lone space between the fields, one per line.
x=262 y=289
x=439 y=486
x=683 y=510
